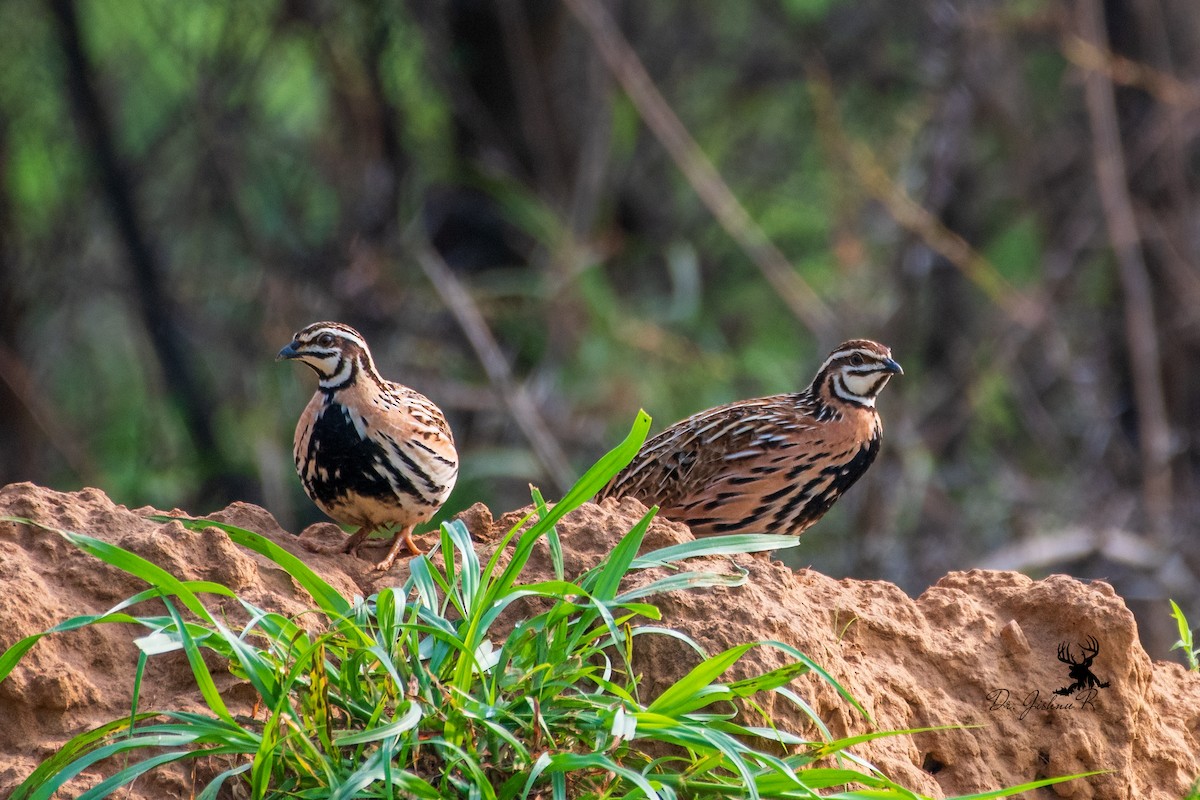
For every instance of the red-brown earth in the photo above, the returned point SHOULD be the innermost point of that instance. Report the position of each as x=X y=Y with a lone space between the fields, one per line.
x=979 y=649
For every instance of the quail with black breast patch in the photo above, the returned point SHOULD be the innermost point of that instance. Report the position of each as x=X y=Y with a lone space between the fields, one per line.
x=369 y=452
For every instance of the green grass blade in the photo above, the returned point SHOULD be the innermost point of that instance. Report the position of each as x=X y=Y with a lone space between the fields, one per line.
x=405 y=722
x=213 y=788
x=469 y=572
x=204 y=681
x=1028 y=787
x=685 y=693
x=260 y=673
x=135 y=771
x=556 y=552
x=72 y=749
x=138 y=673
x=804 y=784
x=135 y=565
x=850 y=741
x=732 y=545
x=683 y=581
x=808 y=710
x=605 y=468
x=769 y=680
x=326 y=597
x=658 y=630
x=817 y=669
x=58 y=779
x=1185 y=642
x=571 y=762
x=604 y=586
x=12 y=656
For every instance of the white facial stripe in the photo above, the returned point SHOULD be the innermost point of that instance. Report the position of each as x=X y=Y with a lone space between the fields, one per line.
x=844 y=389
x=871 y=357
x=339 y=334
x=869 y=368
x=338 y=369
x=862 y=386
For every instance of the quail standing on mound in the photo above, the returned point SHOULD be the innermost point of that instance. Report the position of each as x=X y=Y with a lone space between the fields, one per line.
x=769 y=465
x=369 y=452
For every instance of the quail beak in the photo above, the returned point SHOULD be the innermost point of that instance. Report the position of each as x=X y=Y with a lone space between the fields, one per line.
x=288 y=352
x=889 y=365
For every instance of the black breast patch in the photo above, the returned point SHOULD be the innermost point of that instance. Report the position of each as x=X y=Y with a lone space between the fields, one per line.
x=843 y=477
x=348 y=462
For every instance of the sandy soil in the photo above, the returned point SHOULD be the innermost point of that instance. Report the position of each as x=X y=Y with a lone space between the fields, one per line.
x=979 y=649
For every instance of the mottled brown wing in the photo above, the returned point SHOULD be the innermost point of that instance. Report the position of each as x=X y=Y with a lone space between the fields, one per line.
x=784 y=489
x=679 y=465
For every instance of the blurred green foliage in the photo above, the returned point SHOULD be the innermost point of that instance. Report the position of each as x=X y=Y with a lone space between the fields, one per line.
x=285 y=160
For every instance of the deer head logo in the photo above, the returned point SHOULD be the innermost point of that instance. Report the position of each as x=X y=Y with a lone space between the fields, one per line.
x=1081 y=671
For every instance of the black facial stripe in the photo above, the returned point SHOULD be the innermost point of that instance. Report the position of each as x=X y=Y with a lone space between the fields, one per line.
x=309 y=350
x=843 y=393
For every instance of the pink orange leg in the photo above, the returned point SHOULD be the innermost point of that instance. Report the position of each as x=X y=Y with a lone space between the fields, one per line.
x=403 y=538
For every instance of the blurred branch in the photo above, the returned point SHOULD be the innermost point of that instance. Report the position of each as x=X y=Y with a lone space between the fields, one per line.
x=522 y=407
x=532 y=102
x=914 y=217
x=157 y=310
x=699 y=171
x=41 y=409
x=1163 y=87
x=1154 y=435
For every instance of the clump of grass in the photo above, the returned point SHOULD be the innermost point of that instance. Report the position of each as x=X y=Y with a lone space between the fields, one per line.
x=423 y=691
x=1185 y=643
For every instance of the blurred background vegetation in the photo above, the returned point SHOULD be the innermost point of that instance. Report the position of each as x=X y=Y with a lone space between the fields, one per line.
x=545 y=214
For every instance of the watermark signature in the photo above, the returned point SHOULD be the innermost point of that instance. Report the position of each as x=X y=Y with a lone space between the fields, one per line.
x=1003 y=700
x=1085 y=686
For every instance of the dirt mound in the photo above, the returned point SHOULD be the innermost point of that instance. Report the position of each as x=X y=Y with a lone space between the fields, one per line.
x=979 y=649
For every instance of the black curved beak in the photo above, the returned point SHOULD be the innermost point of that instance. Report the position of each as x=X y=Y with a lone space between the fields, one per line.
x=889 y=365
x=288 y=352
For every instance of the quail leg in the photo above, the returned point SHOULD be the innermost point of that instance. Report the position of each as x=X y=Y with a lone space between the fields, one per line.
x=351 y=545
x=357 y=538
x=402 y=537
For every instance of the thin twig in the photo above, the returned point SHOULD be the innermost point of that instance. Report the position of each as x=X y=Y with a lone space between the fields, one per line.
x=915 y=218
x=1154 y=435
x=532 y=102
x=699 y=171
x=1052 y=549
x=1162 y=86
x=522 y=407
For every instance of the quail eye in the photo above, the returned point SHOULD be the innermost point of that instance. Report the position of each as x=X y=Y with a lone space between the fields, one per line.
x=856 y=360
x=325 y=340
